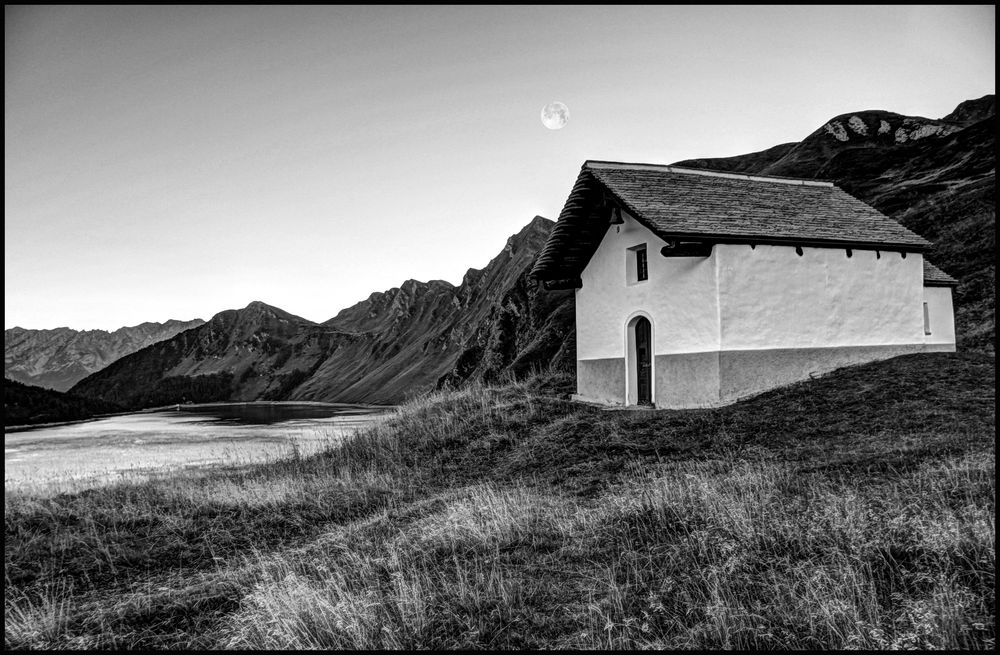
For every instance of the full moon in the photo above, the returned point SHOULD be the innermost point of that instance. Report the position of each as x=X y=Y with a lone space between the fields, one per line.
x=555 y=115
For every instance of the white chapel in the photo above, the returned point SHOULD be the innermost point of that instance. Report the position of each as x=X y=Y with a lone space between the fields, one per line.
x=697 y=288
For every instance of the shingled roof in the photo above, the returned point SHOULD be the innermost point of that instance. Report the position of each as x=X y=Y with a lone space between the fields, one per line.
x=700 y=205
x=935 y=277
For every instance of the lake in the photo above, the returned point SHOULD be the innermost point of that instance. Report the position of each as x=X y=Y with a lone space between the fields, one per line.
x=189 y=436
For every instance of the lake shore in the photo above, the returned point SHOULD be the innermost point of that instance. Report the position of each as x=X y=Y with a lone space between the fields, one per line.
x=183 y=407
x=139 y=444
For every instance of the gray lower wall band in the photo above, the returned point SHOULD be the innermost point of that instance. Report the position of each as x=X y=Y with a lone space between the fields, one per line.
x=711 y=379
x=601 y=380
x=744 y=373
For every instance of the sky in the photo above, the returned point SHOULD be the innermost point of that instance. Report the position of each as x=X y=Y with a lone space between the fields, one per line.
x=174 y=162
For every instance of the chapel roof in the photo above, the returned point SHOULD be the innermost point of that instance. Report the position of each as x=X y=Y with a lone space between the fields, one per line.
x=935 y=277
x=720 y=207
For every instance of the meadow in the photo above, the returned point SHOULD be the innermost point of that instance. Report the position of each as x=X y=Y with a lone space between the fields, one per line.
x=852 y=511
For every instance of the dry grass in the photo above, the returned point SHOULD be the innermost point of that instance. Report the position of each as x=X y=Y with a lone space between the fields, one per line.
x=854 y=512
x=751 y=556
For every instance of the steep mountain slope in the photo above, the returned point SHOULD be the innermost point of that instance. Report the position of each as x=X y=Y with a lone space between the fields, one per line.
x=59 y=358
x=416 y=337
x=254 y=353
x=936 y=177
x=427 y=335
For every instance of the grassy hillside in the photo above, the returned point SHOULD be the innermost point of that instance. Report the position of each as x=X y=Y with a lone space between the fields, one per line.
x=853 y=511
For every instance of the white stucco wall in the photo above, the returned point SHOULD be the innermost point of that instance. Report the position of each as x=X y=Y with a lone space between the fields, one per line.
x=679 y=297
x=770 y=297
x=746 y=319
x=941 y=314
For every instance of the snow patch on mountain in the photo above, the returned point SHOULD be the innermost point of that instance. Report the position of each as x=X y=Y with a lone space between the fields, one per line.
x=836 y=129
x=858 y=125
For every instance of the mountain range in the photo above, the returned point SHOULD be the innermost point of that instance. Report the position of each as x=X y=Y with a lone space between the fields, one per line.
x=419 y=336
x=61 y=357
x=935 y=176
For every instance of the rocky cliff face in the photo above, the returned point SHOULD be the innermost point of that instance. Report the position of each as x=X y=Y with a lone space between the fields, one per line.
x=935 y=176
x=426 y=335
x=58 y=359
x=417 y=337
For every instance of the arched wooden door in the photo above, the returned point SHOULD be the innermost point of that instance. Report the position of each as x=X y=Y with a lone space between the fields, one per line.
x=643 y=361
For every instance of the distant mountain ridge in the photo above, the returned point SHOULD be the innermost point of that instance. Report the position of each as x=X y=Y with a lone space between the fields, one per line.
x=61 y=357
x=409 y=339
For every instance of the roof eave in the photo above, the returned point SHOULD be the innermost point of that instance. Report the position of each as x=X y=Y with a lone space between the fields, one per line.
x=788 y=241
